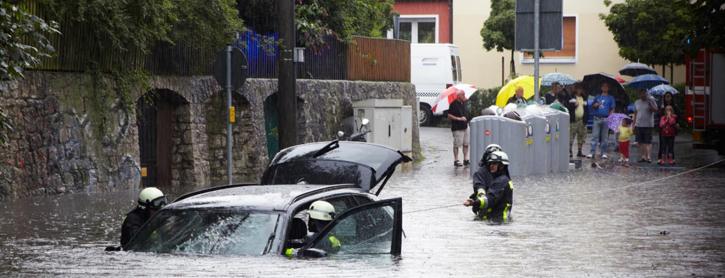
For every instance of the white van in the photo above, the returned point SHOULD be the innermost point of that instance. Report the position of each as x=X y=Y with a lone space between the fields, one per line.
x=434 y=67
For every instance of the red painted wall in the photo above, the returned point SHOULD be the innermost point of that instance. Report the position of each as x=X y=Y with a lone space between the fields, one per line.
x=435 y=7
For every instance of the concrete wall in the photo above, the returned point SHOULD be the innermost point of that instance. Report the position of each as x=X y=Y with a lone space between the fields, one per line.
x=596 y=49
x=69 y=139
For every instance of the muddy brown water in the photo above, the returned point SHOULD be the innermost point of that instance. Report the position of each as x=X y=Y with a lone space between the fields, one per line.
x=607 y=222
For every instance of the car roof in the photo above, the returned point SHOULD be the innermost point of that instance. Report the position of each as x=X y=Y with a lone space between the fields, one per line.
x=379 y=158
x=257 y=197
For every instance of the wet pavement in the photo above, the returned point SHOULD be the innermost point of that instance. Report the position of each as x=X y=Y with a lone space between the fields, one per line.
x=630 y=222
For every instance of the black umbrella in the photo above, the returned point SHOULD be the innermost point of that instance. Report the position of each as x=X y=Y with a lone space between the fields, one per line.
x=636 y=69
x=593 y=82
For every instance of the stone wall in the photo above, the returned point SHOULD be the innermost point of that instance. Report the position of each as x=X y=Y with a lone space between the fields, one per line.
x=68 y=138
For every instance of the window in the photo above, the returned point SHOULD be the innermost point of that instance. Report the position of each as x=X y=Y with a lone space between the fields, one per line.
x=426 y=32
x=207 y=231
x=405 y=31
x=368 y=231
x=567 y=54
x=418 y=28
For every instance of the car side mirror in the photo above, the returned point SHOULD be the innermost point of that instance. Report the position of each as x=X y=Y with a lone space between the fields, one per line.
x=313 y=253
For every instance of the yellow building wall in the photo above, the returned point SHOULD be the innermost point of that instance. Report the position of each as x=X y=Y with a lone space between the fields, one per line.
x=596 y=49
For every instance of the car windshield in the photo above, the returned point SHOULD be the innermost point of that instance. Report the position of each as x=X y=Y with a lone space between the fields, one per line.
x=207 y=231
x=318 y=171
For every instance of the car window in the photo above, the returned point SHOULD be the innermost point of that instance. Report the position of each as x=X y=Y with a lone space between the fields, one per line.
x=207 y=231
x=368 y=231
x=321 y=172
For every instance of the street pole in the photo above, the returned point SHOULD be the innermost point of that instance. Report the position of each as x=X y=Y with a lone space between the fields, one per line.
x=287 y=98
x=536 y=49
x=229 y=115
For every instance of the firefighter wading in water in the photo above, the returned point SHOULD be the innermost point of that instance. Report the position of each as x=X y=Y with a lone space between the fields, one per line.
x=493 y=197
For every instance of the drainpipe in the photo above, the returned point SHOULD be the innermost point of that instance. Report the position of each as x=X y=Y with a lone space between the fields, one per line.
x=450 y=20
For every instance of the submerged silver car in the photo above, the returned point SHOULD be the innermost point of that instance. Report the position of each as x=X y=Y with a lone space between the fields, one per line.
x=268 y=218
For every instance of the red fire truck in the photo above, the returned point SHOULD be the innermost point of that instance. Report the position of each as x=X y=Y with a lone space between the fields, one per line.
x=705 y=98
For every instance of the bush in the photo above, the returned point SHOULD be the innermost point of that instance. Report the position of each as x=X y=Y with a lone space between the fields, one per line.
x=482 y=99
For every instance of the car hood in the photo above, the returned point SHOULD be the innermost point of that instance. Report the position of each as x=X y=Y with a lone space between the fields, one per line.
x=363 y=164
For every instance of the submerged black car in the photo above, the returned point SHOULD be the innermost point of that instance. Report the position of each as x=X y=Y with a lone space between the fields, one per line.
x=267 y=218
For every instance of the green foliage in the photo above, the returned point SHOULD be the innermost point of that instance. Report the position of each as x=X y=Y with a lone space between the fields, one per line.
x=498 y=30
x=650 y=31
x=22 y=40
x=128 y=27
x=481 y=100
x=208 y=24
x=342 y=19
x=708 y=30
x=316 y=19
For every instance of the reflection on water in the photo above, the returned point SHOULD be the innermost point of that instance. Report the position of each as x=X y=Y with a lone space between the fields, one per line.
x=584 y=223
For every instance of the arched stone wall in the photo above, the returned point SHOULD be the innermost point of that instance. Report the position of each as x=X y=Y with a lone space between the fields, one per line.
x=164 y=137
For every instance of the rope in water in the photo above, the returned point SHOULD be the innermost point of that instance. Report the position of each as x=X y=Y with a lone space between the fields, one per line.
x=595 y=191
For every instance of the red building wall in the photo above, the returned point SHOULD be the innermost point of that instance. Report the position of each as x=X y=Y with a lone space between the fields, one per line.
x=439 y=8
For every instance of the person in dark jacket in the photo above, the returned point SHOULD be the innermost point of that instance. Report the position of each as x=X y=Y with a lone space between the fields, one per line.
x=518 y=97
x=552 y=95
x=578 y=113
x=495 y=203
x=150 y=200
x=482 y=177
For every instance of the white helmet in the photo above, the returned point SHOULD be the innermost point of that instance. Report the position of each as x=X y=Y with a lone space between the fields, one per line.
x=488 y=151
x=151 y=197
x=493 y=147
x=321 y=210
x=498 y=156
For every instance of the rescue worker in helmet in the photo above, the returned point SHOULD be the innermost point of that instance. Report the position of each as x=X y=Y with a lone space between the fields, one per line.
x=482 y=177
x=150 y=200
x=320 y=214
x=495 y=202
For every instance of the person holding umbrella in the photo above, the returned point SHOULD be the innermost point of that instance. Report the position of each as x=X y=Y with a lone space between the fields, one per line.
x=644 y=109
x=459 y=128
x=518 y=98
x=602 y=107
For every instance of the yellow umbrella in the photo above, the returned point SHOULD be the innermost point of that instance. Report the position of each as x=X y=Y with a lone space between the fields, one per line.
x=507 y=91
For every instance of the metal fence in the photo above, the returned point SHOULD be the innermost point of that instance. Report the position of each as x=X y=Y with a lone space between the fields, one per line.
x=363 y=58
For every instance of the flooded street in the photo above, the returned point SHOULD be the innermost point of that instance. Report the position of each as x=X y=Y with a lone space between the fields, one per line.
x=616 y=221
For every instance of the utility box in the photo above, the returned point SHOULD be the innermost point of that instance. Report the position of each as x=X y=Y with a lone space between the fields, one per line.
x=391 y=122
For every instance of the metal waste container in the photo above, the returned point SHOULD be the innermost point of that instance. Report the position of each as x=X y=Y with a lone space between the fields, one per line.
x=508 y=133
x=539 y=155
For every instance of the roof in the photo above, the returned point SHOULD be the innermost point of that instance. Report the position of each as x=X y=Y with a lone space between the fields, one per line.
x=255 y=197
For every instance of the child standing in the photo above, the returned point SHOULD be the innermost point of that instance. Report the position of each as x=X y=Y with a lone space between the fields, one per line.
x=625 y=134
x=668 y=131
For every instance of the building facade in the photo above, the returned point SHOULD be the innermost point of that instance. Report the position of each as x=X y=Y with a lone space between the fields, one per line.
x=588 y=46
x=425 y=21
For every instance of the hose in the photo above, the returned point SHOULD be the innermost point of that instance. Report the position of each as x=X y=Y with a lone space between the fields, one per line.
x=595 y=191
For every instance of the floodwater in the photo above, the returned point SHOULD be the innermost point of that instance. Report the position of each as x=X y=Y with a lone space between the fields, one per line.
x=617 y=221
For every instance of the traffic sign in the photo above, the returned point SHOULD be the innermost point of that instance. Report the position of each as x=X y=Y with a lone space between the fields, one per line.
x=239 y=68
x=550 y=27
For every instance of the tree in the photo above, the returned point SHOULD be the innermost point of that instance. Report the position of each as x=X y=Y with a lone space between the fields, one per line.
x=499 y=29
x=709 y=24
x=317 y=19
x=23 y=42
x=650 y=31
